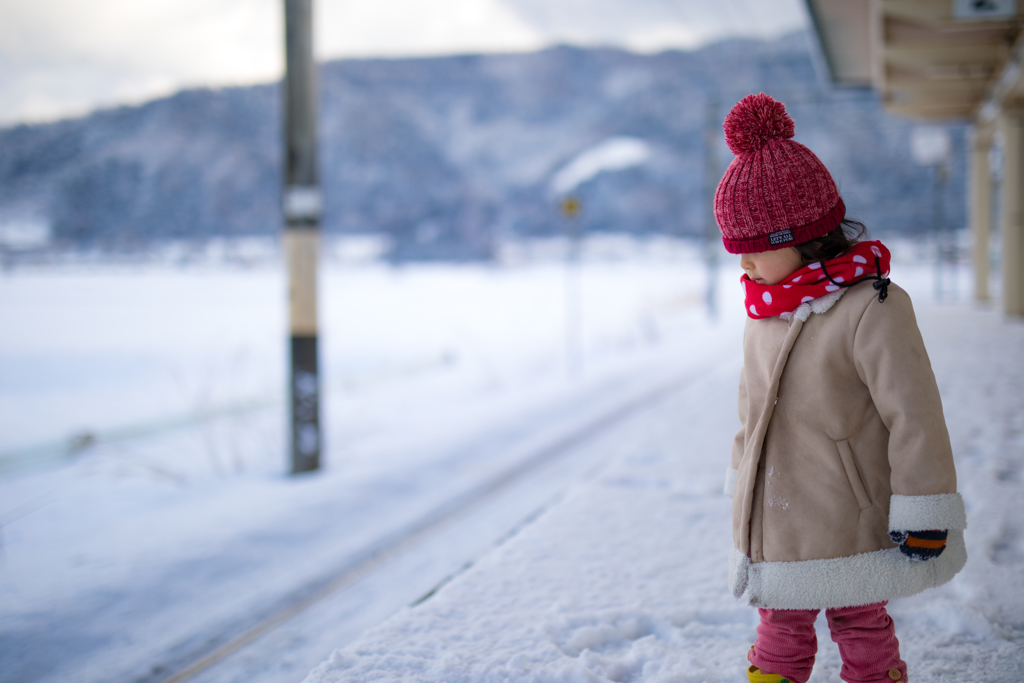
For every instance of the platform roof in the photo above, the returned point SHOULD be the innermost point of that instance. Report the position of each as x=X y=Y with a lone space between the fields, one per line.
x=938 y=59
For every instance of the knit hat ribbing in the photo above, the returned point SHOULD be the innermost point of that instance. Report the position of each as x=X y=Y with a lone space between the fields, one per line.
x=776 y=193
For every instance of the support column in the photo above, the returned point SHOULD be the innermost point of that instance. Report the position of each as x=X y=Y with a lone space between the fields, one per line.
x=981 y=210
x=1011 y=225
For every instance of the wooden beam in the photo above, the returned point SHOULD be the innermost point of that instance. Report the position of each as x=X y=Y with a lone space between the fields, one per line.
x=960 y=72
x=944 y=112
x=923 y=56
x=973 y=88
x=920 y=11
x=900 y=31
x=927 y=99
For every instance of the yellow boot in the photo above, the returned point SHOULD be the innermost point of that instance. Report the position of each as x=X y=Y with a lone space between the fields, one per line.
x=757 y=676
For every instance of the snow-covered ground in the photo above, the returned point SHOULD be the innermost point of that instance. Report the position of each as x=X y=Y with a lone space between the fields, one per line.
x=171 y=524
x=146 y=516
x=625 y=579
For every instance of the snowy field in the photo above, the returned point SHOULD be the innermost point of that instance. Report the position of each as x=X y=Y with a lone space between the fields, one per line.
x=145 y=511
x=92 y=352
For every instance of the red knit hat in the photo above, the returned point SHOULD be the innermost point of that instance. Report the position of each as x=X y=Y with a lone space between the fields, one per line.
x=775 y=193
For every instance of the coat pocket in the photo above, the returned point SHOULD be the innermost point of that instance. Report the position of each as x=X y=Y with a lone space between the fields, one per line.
x=852 y=475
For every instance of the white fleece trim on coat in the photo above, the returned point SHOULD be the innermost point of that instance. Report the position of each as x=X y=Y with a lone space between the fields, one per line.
x=730 y=482
x=844 y=581
x=819 y=305
x=921 y=513
x=739 y=569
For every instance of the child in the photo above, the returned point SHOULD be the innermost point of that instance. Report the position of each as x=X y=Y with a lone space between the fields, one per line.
x=844 y=491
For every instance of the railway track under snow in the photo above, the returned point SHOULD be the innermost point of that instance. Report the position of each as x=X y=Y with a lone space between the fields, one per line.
x=406 y=566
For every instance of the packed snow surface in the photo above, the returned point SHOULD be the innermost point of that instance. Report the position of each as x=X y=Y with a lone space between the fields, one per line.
x=146 y=512
x=625 y=579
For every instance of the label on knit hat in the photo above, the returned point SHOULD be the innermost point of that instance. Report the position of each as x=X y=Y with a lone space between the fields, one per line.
x=780 y=237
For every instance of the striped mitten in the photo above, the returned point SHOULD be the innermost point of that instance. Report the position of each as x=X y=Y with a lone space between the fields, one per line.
x=920 y=545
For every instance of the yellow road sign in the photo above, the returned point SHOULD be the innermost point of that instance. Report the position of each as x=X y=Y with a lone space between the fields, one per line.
x=571 y=206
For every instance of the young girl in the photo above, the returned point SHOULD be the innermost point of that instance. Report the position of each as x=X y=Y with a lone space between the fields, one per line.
x=844 y=491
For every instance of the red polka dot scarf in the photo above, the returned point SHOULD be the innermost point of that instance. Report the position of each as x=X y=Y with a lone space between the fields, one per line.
x=864 y=261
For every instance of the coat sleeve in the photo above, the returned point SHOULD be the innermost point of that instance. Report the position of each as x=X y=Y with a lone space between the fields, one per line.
x=892 y=362
x=738 y=441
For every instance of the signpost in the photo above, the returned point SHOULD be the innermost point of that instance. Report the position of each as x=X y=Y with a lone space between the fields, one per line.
x=570 y=207
x=302 y=204
x=931 y=146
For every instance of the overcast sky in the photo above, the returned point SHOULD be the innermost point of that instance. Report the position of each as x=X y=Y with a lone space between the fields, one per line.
x=63 y=58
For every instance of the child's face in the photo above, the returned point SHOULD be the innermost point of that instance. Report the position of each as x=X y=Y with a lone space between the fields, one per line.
x=771 y=267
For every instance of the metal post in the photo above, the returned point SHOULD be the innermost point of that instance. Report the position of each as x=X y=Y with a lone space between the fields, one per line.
x=571 y=207
x=942 y=246
x=302 y=208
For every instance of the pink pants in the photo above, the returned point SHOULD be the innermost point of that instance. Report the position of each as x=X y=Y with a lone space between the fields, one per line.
x=786 y=643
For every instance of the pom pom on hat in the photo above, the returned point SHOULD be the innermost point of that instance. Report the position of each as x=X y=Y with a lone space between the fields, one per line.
x=776 y=193
x=754 y=121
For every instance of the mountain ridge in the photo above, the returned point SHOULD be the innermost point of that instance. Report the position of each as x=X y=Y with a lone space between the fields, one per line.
x=447 y=154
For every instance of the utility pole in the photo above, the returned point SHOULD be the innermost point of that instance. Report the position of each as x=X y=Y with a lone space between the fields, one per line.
x=302 y=203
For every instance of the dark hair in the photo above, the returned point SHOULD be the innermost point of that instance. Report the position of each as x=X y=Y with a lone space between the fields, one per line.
x=847 y=234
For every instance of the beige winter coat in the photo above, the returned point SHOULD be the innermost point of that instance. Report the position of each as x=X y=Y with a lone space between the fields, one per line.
x=842 y=439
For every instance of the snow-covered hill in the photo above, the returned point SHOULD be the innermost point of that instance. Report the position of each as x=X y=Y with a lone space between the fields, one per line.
x=445 y=154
